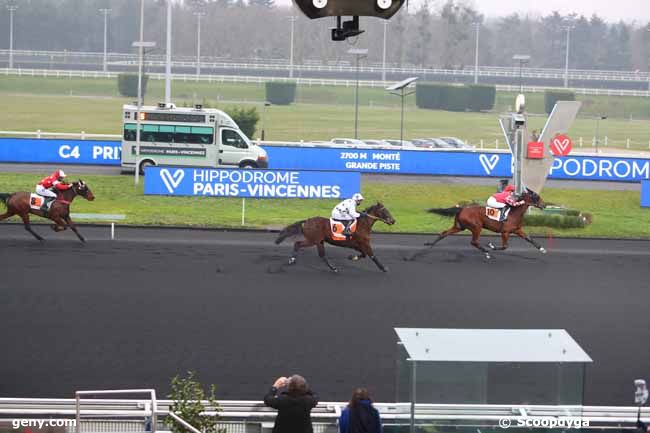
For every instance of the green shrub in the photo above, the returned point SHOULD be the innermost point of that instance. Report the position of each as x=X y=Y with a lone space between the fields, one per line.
x=281 y=93
x=428 y=95
x=455 y=98
x=187 y=395
x=245 y=118
x=127 y=85
x=556 y=221
x=552 y=96
x=481 y=97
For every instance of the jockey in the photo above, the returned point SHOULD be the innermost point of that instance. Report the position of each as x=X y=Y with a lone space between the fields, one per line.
x=47 y=186
x=346 y=212
x=501 y=200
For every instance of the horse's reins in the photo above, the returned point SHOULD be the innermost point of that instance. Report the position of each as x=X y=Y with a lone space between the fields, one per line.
x=377 y=218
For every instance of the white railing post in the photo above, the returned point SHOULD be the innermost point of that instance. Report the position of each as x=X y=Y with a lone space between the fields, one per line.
x=628 y=143
x=481 y=144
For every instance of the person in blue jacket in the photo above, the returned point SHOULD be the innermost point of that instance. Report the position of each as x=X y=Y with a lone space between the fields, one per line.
x=360 y=416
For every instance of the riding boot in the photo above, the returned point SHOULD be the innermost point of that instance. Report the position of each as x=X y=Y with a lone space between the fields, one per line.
x=346 y=229
x=504 y=213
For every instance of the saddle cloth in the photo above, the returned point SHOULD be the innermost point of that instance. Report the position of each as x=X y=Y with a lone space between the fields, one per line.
x=338 y=227
x=495 y=213
x=37 y=202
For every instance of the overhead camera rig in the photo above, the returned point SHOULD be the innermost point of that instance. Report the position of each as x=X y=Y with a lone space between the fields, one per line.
x=314 y=9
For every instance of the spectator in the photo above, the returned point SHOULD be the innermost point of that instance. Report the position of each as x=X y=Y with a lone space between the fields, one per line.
x=360 y=416
x=294 y=401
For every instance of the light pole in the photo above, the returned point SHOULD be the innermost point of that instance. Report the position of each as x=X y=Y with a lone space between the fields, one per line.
x=522 y=59
x=383 y=67
x=401 y=86
x=293 y=19
x=477 y=25
x=359 y=53
x=199 y=15
x=105 y=12
x=648 y=30
x=168 y=57
x=598 y=119
x=568 y=29
x=12 y=9
x=266 y=104
x=141 y=46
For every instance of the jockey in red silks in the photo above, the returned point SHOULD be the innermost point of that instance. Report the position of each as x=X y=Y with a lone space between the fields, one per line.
x=501 y=200
x=52 y=183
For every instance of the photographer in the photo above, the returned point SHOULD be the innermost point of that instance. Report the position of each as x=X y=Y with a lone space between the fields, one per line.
x=294 y=401
x=360 y=416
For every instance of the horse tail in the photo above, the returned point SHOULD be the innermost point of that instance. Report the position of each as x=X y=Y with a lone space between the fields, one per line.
x=4 y=198
x=446 y=211
x=290 y=230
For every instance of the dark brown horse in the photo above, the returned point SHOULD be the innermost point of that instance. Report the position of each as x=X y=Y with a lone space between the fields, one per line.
x=317 y=231
x=474 y=219
x=18 y=204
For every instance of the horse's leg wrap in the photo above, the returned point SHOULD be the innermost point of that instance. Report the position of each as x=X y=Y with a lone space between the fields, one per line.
x=378 y=263
x=530 y=240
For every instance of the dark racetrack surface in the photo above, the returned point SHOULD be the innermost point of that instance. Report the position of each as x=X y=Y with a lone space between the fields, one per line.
x=133 y=312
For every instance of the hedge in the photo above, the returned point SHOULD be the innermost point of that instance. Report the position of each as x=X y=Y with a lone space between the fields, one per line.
x=281 y=93
x=127 y=85
x=454 y=98
x=552 y=96
x=245 y=118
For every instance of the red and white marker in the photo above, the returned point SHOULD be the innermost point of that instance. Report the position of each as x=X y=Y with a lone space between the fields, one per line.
x=561 y=145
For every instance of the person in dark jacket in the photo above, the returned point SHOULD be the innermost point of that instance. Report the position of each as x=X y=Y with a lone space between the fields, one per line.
x=294 y=401
x=360 y=416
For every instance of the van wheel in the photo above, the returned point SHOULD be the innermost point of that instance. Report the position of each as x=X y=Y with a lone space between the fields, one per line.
x=248 y=165
x=144 y=164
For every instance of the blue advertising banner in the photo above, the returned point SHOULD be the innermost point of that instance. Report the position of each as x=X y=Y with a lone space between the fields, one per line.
x=250 y=183
x=347 y=160
x=645 y=193
x=453 y=163
x=34 y=150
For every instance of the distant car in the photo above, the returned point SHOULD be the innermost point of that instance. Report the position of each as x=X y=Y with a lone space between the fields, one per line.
x=376 y=143
x=399 y=143
x=457 y=143
x=425 y=143
x=442 y=144
x=348 y=141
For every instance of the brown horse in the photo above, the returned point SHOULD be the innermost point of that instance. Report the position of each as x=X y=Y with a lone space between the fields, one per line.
x=317 y=231
x=18 y=204
x=474 y=219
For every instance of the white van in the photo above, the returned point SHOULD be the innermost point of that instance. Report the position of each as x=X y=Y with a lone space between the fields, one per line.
x=194 y=137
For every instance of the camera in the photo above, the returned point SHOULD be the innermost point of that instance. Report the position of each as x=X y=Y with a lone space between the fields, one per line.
x=517 y=121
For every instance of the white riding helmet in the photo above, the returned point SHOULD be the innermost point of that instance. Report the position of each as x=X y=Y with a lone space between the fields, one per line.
x=357 y=197
x=61 y=173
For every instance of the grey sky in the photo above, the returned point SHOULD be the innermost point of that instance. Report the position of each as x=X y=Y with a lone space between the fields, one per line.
x=610 y=10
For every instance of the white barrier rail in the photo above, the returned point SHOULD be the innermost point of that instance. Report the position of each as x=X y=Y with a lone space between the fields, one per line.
x=57 y=73
x=254 y=411
x=279 y=64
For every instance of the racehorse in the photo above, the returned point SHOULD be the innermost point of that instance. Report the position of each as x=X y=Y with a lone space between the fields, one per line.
x=317 y=231
x=474 y=219
x=19 y=204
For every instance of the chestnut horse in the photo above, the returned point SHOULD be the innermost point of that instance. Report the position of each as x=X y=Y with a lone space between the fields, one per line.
x=317 y=231
x=474 y=219
x=59 y=212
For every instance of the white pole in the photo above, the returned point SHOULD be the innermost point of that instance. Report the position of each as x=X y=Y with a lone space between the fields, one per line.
x=293 y=21
x=199 y=15
x=383 y=67
x=566 y=60
x=478 y=27
x=137 y=122
x=12 y=9
x=243 y=211
x=112 y=231
x=168 y=56
x=105 y=12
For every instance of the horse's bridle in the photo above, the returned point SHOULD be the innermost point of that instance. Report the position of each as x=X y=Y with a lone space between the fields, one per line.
x=377 y=218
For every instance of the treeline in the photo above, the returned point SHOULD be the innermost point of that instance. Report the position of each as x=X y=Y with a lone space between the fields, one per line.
x=426 y=36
